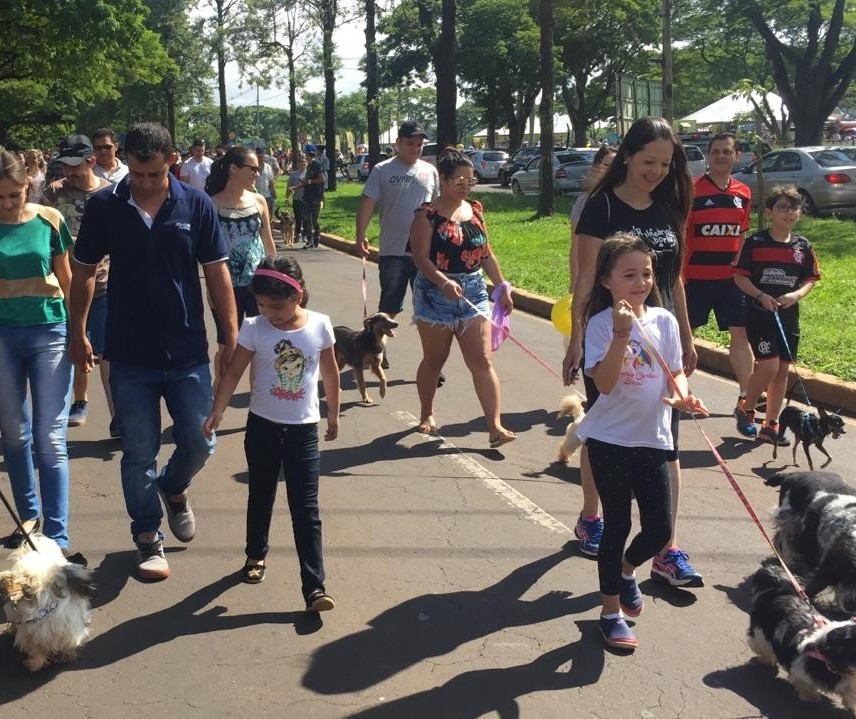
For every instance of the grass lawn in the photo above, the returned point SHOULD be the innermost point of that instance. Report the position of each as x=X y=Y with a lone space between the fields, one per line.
x=534 y=256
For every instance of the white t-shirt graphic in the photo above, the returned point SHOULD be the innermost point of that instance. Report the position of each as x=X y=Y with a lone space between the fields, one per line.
x=286 y=367
x=633 y=413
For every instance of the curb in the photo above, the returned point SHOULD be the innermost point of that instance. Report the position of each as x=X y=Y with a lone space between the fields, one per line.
x=822 y=388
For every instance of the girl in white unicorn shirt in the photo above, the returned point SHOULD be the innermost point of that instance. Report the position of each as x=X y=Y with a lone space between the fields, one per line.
x=628 y=430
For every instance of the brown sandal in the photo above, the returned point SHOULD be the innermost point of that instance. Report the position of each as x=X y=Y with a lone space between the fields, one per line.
x=253 y=572
x=502 y=439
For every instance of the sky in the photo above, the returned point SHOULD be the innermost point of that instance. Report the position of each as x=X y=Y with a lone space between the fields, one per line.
x=350 y=47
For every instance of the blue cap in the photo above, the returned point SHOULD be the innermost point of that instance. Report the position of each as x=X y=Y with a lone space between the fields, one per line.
x=310 y=149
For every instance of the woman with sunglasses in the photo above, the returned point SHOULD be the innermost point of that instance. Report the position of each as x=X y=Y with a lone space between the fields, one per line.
x=245 y=220
x=450 y=248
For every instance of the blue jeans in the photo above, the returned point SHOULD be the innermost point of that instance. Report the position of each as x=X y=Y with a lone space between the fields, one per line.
x=137 y=392
x=292 y=449
x=397 y=272
x=37 y=355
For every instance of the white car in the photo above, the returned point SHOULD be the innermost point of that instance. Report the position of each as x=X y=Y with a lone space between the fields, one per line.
x=696 y=164
x=359 y=169
x=569 y=170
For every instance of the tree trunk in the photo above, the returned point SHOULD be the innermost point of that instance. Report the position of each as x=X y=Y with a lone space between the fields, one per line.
x=329 y=24
x=221 y=74
x=372 y=94
x=445 y=68
x=292 y=107
x=546 y=197
x=170 y=110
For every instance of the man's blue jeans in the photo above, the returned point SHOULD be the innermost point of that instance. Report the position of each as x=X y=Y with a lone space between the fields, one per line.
x=38 y=355
x=137 y=392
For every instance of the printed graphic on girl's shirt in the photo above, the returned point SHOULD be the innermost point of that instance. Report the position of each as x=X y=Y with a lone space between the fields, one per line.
x=638 y=364
x=290 y=365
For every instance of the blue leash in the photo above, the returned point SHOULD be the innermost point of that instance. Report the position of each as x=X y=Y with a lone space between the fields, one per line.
x=791 y=357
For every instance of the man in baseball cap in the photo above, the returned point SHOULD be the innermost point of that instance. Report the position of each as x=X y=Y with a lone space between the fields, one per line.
x=310 y=149
x=75 y=149
x=410 y=129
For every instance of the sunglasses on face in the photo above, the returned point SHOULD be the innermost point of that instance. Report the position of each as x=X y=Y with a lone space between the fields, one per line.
x=465 y=181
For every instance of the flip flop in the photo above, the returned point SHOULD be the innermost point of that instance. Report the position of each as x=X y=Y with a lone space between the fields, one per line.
x=502 y=439
x=427 y=426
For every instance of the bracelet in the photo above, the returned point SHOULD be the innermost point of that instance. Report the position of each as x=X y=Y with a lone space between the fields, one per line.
x=620 y=333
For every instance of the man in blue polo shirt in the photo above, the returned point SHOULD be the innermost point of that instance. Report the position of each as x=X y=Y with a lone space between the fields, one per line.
x=157 y=231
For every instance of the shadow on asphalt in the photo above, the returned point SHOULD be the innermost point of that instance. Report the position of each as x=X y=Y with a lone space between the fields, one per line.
x=773 y=696
x=188 y=617
x=433 y=625
x=487 y=691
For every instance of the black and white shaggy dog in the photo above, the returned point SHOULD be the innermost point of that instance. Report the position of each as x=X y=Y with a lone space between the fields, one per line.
x=819 y=655
x=816 y=528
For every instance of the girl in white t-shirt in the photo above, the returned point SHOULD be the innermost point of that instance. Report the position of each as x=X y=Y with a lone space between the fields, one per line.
x=289 y=346
x=628 y=430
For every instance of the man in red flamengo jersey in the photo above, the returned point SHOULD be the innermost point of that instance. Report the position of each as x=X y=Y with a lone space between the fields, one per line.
x=716 y=228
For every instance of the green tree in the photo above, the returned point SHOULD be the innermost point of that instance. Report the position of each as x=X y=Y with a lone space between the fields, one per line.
x=501 y=68
x=58 y=58
x=596 y=41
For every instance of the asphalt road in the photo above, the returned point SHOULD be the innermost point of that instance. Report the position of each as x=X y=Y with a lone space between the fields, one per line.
x=459 y=591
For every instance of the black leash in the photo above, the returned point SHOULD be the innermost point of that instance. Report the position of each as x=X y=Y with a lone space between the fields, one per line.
x=17 y=521
x=792 y=359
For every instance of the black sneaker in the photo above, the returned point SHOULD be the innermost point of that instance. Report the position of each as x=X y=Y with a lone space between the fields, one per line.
x=319 y=601
x=115 y=432
x=77 y=413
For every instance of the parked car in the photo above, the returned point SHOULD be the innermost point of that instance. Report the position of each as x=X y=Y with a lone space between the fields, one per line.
x=429 y=152
x=360 y=168
x=826 y=178
x=518 y=161
x=486 y=164
x=569 y=170
x=696 y=163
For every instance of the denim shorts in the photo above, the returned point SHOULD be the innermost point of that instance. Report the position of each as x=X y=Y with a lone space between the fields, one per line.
x=396 y=273
x=96 y=325
x=432 y=307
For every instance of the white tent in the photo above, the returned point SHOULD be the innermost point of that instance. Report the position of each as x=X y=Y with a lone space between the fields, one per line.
x=561 y=125
x=726 y=108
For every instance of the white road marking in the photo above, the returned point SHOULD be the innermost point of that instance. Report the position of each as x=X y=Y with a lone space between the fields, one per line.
x=527 y=508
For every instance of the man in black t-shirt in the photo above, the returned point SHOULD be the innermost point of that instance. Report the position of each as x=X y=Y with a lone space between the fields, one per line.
x=313 y=194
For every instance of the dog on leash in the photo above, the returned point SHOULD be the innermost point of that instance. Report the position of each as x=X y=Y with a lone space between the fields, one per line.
x=46 y=600
x=809 y=429
x=286 y=225
x=363 y=349
x=816 y=527
x=572 y=407
x=819 y=655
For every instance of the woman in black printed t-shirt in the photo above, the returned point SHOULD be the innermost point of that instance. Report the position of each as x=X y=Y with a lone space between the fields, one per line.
x=647 y=192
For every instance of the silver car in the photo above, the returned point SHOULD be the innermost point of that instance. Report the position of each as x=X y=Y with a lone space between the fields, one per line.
x=487 y=163
x=569 y=170
x=359 y=169
x=826 y=178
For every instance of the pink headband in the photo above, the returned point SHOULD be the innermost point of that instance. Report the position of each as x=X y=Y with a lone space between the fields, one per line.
x=281 y=276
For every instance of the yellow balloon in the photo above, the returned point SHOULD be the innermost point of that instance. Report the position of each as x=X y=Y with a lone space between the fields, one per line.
x=560 y=315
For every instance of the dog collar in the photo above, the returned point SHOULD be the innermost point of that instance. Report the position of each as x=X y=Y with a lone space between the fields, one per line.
x=41 y=614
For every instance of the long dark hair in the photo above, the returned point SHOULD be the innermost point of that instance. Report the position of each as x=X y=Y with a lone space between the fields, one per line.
x=674 y=194
x=621 y=243
x=216 y=181
x=272 y=287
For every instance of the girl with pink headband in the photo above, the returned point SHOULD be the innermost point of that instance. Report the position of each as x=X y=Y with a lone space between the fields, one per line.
x=289 y=348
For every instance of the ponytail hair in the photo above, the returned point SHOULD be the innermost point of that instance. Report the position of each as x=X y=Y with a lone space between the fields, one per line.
x=221 y=169
x=450 y=160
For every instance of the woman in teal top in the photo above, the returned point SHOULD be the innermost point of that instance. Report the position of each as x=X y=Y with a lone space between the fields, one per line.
x=34 y=281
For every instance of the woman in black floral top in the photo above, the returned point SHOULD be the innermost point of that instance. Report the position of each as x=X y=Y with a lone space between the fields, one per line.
x=450 y=248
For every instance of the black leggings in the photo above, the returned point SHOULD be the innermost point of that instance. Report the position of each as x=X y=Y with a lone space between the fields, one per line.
x=620 y=473
x=297 y=208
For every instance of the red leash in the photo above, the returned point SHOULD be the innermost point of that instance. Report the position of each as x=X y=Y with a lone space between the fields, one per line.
x=721 y=462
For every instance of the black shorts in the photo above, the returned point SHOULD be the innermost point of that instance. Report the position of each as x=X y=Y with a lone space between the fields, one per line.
x=766 y=337
x=592 y=393
x=724 y=297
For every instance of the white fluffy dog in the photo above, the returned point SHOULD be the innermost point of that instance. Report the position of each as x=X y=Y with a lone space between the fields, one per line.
x=46 y=600
x=570 y=406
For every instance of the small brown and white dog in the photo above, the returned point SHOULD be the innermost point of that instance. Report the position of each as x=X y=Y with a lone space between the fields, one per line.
x=46 y=601
x=572 y=407
x=286 y=226
x=363 y=349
